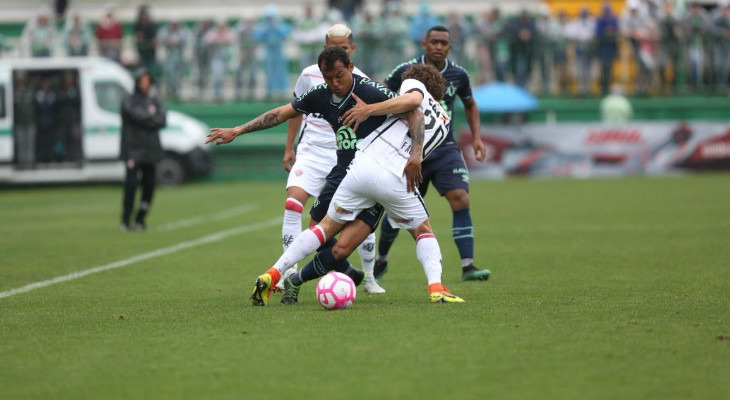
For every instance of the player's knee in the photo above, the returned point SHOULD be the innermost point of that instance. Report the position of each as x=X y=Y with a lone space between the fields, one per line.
x=341 y=251
x=458 y=199
x=425 y=227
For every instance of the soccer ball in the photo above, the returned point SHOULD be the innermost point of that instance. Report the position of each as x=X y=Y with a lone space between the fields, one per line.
x=335 y=291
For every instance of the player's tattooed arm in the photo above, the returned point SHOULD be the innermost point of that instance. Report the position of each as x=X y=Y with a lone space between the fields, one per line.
x=263 y=121
x=417 y=130
x=361 y=111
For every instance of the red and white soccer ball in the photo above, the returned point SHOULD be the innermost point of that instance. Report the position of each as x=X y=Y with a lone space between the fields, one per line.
x=335 y=291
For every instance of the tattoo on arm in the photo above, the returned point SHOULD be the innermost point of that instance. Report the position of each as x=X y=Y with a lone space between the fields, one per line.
x=263 y=121
x=417 y=131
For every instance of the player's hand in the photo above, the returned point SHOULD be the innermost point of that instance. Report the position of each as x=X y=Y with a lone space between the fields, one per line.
x=356 y=114
x=289 y=159
x=221 y=135
x=480 y=152
x=412 y=172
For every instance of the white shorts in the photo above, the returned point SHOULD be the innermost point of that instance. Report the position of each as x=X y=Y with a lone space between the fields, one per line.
x=311 y=167
x=367 y=183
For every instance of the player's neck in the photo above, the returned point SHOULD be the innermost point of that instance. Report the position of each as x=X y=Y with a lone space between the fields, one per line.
x=438 y=66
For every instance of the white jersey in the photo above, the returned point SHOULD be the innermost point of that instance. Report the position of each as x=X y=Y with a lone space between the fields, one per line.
x=315 y=131
x=390 y=145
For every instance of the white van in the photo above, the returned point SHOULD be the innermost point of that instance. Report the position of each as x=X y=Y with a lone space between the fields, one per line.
x=60 y=122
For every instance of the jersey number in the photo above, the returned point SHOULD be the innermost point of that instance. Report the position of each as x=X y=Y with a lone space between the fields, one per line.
x=431 y=117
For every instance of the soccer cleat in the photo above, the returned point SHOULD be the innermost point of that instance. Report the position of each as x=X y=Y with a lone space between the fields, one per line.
x=445 y=296
x=140 y=226
x=279 y=287
x=262 y=290
x=371 y=286
x=381 y=267
x=291 y=292
x=472 y=273
x=357 y=275
x=124 y=227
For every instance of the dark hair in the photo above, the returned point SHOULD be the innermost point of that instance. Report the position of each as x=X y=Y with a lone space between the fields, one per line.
x=437 y=28
x=329 y=56
x=429 y=76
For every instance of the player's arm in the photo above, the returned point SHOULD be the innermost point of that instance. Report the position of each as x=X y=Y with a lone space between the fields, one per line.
x=417 y=129
x=396 y=105
x=472 y=118
x=295 y=124
x=264 y=121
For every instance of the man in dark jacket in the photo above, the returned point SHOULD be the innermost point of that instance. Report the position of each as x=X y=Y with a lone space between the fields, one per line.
x=142 y=118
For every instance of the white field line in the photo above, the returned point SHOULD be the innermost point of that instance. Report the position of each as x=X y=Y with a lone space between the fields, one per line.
x=223 y=215
x=145 y=256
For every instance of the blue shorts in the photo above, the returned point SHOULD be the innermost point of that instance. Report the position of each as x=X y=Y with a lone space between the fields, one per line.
x=446 y=169
x=370 y=216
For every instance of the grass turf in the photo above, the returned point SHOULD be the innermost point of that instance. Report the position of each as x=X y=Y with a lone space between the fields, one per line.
x=601 y=289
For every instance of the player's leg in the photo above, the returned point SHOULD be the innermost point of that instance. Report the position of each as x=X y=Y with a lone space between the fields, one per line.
x=387 y=237
x=388 y=233
x=408 y=211
x=148 y=191
x=303 y=245
x=131 y=182
x=306 y=242
x=428 y=253
x=296 y=198
x=306 y=179
x=366 y=250
x=451 y=180
x=335 y=258
x=360 y=214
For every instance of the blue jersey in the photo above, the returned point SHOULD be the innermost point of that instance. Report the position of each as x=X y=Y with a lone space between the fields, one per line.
x=457 y=83
x=319 y=101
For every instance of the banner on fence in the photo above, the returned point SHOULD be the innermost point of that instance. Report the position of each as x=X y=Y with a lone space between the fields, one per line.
x=594 y=149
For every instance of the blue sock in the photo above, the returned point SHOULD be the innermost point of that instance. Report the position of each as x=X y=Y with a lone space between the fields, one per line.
x=387 y=237
x=323 y=262
x=463 y=233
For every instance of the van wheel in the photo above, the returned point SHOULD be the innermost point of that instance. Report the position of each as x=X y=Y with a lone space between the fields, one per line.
x=170 y=171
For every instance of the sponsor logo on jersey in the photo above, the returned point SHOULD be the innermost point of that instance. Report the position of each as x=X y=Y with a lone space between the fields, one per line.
x=404 y=220
x=346 y=138
x=340 y=210
x=451 y=89
x=299 y=172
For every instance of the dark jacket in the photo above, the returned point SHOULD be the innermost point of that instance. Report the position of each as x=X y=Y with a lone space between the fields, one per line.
x=142 y=118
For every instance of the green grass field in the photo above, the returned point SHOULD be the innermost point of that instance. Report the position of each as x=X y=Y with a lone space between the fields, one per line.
x=601 y=289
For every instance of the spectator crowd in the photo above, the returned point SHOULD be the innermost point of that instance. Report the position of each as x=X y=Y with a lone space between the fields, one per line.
x=652 y=47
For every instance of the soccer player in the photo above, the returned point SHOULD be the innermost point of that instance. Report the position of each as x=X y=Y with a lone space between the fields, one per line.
x=329 y=100
x=386 y=170
x=446 y=168
x=314 y=159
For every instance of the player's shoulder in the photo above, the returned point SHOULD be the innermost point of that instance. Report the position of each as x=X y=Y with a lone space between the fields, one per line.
x=357 y=71
x=400 y=68
x=311 y=73
x=456 y=70
x=310 y=77
x=408 y=63
x=366 y=85
x=315 y=90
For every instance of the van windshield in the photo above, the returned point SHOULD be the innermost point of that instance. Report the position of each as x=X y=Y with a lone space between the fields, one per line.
x=109 y=95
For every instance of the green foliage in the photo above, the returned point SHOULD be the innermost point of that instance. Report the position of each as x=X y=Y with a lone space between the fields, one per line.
x=601 y=289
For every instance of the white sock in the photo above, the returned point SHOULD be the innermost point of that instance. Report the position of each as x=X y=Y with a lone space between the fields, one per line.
x=292 y=225
x=305 y=244
x=428 y=253
x=367 y=256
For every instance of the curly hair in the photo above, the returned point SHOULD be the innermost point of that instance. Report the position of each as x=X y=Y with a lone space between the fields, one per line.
x=429 y=76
